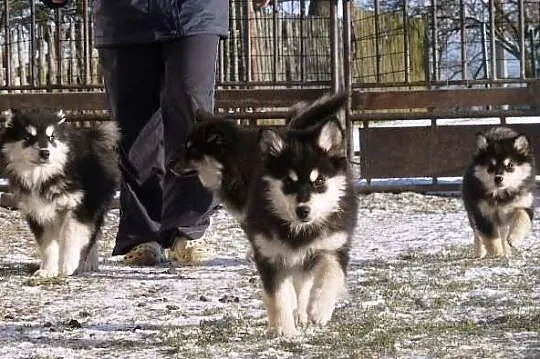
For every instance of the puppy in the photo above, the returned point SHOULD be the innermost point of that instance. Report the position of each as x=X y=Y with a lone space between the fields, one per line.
x=498 y=191
x=300 y=219
x=64 y=180
x=225 y=156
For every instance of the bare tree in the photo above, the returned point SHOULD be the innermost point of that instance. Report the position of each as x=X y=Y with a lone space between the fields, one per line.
x=463 y=27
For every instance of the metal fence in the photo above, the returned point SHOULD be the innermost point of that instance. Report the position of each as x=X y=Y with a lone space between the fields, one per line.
x=399 y=59
x=301 y=43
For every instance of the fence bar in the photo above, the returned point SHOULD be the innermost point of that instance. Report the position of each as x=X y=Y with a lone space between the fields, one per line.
x=302 y=40
x=221 y=62
x=347 y=74
x=534 y=67
x=377 y=45
x=485 y=58
x=275 y=14
x=435 y=41
x=32 y=44
x=492 y=44
x=334 y=43
x=234 y=46
x=7 y=45
x=406 y=41
x=247 y=40
x=59 y=47
x=463 y=44
x=86 y=42
x=522 y=63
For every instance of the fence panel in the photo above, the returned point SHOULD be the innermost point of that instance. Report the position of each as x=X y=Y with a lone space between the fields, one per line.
x=399 y=59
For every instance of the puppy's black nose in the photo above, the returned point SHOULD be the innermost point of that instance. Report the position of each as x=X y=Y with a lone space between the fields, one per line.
x=44 y=154
x=302 y=212
x=498 y=179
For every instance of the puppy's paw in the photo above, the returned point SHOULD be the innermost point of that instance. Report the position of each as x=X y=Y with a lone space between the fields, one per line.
x=287 y=331
x=320 y=313
x=44 y=273
x=479 y=253
x=71 y=267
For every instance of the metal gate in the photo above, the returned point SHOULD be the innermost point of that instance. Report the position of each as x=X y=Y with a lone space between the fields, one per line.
x=418 y=72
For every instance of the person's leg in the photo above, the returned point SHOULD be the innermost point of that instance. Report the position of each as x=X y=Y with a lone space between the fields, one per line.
x=189 y=82
x=133 y=77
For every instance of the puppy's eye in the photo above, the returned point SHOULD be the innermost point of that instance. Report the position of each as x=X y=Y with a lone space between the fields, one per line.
x=320 y=181
x=52 y=138
x=510 y=167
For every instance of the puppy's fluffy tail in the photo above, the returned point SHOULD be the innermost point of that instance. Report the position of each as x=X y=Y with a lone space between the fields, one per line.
x=107 y=135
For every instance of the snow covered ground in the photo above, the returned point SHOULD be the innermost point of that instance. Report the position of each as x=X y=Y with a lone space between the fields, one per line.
x=414 y=292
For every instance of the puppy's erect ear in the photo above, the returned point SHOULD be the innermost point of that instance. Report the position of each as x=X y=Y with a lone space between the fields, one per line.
x=7 y=117
x=331 y=138
x=521 y=144
x=481 y=142
x=271 y=143
x=303 y=116
x=61 y=116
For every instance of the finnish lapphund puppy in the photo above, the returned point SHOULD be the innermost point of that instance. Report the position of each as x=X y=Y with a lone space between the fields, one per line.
x=300 y=219
x=64 y=180
x=498 y=191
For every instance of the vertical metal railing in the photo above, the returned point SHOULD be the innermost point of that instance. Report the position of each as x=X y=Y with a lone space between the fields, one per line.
x=247 y=42
x=32 y=44
x=7 y=35
x=406 y=41
x=435 y=41
x=302 y=39
x=347 y=73
x=463 y=42
x=334 y=42
x=59 y=47
x=521 y=20
x=275 y=32
x=86 y=42
x=492 y=42
x=285 y=39
x=377 y=41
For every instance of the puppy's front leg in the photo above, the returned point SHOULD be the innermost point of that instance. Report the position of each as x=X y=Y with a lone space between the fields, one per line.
x=519 y=228
x=303 y=282
x=329 y=282
x=284 y=299
x=494 y=246
x=280 y=300
x=74 y=243
x=479 y=251
x=46 y=236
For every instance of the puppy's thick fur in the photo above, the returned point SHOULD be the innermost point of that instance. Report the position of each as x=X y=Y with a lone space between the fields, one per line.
x=64 y=180
x=498 y=191
x=300 y=219
x=291 y=189
x=226 y=156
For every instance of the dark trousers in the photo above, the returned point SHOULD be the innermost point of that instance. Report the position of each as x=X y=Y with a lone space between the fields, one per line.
x=154 y=90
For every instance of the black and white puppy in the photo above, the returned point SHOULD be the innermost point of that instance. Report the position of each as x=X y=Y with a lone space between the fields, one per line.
x=300 y=219
x=64 y=180
x=498 y=191
x=226 y=156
